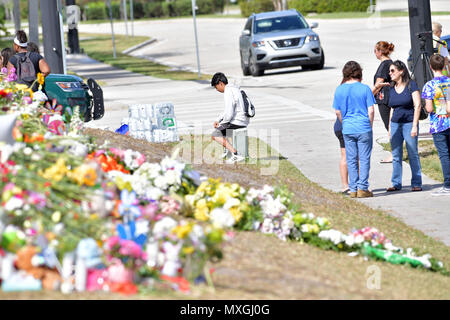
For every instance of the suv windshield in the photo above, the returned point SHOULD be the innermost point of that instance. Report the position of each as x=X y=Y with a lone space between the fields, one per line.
x=280 y=24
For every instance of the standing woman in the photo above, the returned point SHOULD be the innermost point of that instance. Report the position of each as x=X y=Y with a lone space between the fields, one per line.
x=354 y=105
x=404 y=99
x=381 y=82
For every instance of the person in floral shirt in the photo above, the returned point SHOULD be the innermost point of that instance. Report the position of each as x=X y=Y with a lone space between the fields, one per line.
x=435 y=94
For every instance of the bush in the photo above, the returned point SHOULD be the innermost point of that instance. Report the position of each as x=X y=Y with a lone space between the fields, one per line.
x=218 y=5
x=96 y=11
x=154 y=10
x=255 y=6
x=182 y=7
x=324 y=6
x=204 y=7
x=168 y=9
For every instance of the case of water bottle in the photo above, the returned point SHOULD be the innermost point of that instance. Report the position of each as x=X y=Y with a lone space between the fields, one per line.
x=152 y=122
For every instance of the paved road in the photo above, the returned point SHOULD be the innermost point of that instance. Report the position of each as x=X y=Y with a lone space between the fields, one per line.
x=295 y=104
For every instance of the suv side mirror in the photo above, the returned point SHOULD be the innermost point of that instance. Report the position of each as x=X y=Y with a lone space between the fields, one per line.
x=314 y=25
x=245 y=32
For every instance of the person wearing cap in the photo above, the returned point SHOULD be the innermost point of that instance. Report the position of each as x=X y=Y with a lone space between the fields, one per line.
x=20 y=47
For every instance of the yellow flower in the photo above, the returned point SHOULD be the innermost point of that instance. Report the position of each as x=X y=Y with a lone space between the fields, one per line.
x=236 y=213
x=56 y=216
x=84 y=174
x=188 y=250
x=122 y=184
x=201 y=211
x=183 y=230
x=202 y=187
x=40 y=78
x=55 y=172
x=93 y=216
x=315 y=229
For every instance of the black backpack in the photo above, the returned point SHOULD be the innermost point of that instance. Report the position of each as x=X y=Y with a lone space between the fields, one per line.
x=249 y=108
x=26 y=72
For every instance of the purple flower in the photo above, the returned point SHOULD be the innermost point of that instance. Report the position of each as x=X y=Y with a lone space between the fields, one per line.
x=4 y=70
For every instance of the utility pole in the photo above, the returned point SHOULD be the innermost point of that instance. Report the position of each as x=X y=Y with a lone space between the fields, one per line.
x=73 y=17
x=51 y=33
x=421 y=38
x=33 y=21
x=125 y=16
x=196 y=40
x=16 y=14
x=132 y=17
x=112 y=30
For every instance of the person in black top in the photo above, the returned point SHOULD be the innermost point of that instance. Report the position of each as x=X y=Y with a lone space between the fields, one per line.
x=404 y=100
x=381 y=82
x=20 y=47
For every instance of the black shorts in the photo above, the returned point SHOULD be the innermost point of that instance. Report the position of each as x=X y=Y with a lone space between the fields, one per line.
x=225 y=130
x=340 y=137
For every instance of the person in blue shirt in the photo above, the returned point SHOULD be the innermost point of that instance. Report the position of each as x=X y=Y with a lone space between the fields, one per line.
x=354 y=106
x=404 y=101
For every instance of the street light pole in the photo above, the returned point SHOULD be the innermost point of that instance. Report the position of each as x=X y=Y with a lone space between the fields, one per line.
x=132 y=18
x=420 y=28
x=61 y=34
x=16 y=14
x=33 y=21
x=125 y=16
x=112 y=30
x=51 y=33
x=196 y=40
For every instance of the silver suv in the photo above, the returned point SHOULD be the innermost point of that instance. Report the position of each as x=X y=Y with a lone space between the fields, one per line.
x=279 y=39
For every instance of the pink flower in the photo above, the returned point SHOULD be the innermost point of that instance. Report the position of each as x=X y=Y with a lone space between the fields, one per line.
x=4 y=70
x=27 y=100
x=112 y=242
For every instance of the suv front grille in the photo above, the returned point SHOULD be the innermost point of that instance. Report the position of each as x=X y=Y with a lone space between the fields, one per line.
x=286 y=43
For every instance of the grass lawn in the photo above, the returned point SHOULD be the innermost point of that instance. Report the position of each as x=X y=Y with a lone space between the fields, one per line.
x=429 y=159
x=100 y=47
x=352 y=15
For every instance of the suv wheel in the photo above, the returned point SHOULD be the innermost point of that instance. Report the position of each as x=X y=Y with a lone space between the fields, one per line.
x=255 y=70
x=245 y=69
x=320 y=65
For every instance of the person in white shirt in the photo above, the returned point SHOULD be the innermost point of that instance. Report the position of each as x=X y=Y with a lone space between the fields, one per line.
x=232 y=118
x=441 y=46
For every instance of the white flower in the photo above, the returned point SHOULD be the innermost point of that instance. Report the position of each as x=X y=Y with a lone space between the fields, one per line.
x=153 y=193
x=267 y=226
x=286 y=225
x=334 y=236
x=163 y=227
x=161 y=182
x=13 y=204
x=27 y=151
x=142 y=227
x=231 y=202
x=272 y=208
x=222 y=218
x=152 y=251
x=350 y=240
x=36 y=157
x=359 y=239
x=172 y=177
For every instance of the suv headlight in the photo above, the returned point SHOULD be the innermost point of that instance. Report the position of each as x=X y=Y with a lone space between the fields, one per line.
x=311 y=38
x=257 y=44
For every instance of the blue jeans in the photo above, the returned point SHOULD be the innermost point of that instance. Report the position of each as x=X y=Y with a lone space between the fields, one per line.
x=358 y=147
x=442 y=143
x=402 y=132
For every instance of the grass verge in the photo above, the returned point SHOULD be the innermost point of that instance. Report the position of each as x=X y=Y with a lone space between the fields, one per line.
x=429 y=159
x=258 y=266
x=100 y=47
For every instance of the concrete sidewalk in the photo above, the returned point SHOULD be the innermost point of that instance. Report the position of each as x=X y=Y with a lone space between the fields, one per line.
x=301 y=133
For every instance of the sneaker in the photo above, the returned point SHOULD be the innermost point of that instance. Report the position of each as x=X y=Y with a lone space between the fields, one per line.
x=235 y=158
x=225 y=154
x=353 y=194
x=364 y=194
x=441 y=192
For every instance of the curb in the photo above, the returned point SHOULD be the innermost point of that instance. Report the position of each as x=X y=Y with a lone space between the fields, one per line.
x=138 y=46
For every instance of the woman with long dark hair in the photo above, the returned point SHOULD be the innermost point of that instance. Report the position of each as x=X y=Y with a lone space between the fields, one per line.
x=404 y=100
x=381 y=82
x=354 y=105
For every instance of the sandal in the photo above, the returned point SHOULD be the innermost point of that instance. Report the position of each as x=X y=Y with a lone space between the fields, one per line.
x=390 y=189
x=416 y=189
x=346 y=192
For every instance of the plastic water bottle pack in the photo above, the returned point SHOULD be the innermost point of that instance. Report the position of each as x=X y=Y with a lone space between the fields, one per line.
x=154 y=123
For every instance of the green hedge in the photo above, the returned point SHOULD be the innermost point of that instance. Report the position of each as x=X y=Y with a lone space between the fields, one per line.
x=255 y=6
x=324 y=6
x=95 y=11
